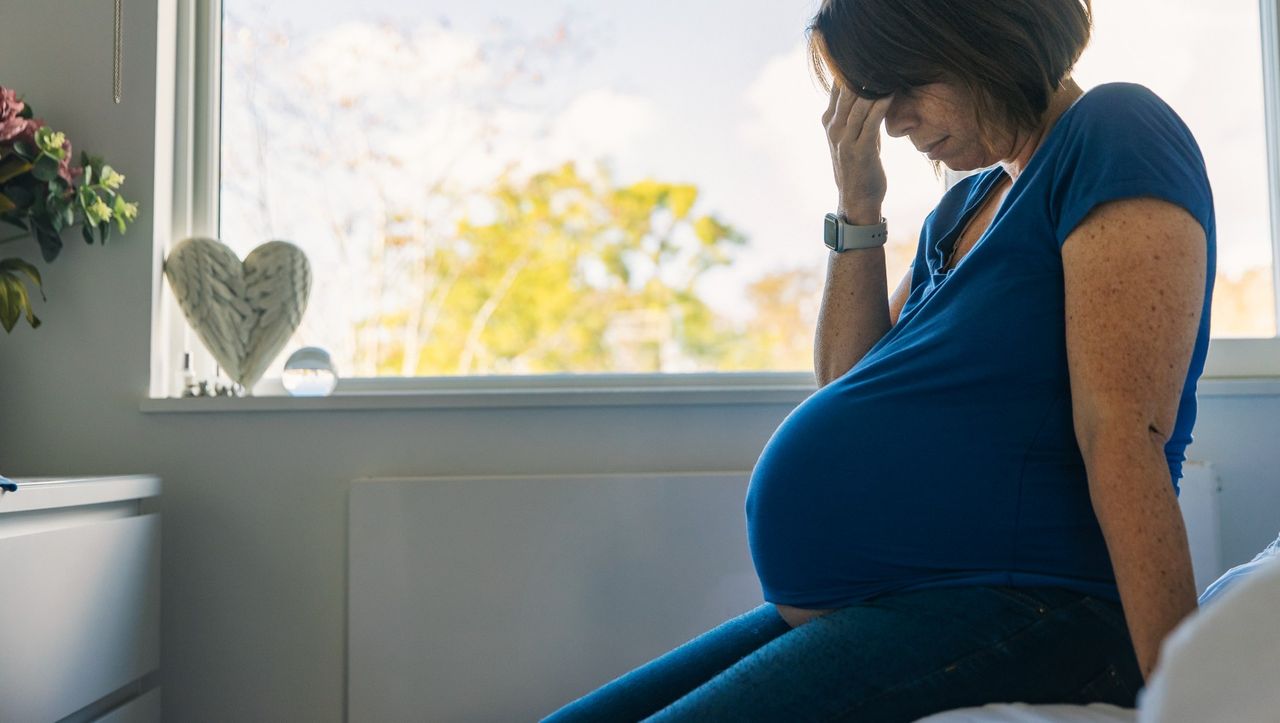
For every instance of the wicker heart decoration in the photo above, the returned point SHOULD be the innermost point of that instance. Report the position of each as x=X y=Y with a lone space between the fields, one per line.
x=243 y=312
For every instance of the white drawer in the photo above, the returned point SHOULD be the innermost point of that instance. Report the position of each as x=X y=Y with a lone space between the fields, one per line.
x=80 y=610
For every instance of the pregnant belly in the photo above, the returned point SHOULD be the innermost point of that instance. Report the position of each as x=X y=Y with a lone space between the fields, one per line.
x=808 y=506
x=796 y=617
x=840 y=510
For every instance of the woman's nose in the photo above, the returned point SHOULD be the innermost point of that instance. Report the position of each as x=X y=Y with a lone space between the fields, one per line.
x=898 y=120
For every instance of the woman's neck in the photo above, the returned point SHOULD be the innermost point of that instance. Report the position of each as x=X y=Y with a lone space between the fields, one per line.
x=1026 y=145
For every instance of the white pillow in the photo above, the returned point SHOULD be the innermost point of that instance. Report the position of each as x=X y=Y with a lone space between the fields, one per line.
x=1221 y=663
x=1238 y=573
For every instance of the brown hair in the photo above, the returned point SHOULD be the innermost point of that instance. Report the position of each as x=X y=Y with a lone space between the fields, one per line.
x=1010 y=55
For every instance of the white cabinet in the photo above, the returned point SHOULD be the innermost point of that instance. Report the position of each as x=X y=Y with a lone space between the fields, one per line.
x=80 y=600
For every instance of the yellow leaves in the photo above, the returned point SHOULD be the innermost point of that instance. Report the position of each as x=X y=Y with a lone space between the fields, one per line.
x=51 y=142
x=681 y=198
x=97 y=211
x=12 y=167
x=709 y=230
x=537 y=276
x=110 y=178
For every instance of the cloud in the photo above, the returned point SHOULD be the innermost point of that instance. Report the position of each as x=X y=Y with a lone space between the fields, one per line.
x=791 y=161
x=598 y=123
x=787 y=105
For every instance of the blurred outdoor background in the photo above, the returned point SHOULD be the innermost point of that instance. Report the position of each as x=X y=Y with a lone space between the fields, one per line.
x=496 y=187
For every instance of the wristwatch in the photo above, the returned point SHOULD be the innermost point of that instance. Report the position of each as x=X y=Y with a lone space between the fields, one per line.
x=840 y=236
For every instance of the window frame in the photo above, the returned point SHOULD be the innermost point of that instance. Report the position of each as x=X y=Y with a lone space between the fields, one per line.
x=196 y=161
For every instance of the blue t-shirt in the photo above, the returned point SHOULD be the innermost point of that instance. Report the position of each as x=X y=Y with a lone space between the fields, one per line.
x=947 y=455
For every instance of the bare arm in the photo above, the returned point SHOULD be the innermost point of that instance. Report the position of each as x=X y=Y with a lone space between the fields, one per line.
x=855 y=311
x=1134 y=272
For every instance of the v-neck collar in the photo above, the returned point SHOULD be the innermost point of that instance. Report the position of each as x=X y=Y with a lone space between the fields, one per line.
x=991 y=177
x=942 y=249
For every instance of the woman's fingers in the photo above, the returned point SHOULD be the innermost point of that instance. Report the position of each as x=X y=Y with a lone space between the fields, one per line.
x=850 y=116
x=852 y=125
x=844 y=104
x=866 y=115
x=876 y=111
x=831 y=106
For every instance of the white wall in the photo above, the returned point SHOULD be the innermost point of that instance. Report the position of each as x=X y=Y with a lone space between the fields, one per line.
x=255 y=503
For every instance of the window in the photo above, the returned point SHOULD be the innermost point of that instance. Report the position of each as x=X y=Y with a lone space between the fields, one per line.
x=501 y=188
x=1205 y=61
x=515 y=188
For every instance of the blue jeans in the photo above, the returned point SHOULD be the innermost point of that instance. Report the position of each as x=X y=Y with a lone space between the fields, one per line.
x=898 y=657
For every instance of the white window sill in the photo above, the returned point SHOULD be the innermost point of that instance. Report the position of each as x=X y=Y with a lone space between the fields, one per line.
x=585 y=390
x=604 y=391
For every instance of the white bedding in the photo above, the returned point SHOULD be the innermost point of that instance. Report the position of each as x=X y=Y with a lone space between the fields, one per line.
x=1024 y=713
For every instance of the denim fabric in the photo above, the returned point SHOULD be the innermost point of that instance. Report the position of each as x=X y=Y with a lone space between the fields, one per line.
x=897 y=657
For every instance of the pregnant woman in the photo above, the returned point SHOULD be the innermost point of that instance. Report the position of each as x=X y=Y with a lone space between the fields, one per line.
x=979 y=502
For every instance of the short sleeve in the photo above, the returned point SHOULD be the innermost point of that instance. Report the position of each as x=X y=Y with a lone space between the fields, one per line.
x=1127 y=142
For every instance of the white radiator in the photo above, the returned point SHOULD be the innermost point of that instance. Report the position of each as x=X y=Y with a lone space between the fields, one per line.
x=1198 y=498
x=503 y=598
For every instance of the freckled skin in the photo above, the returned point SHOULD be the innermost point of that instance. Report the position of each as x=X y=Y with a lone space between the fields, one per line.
x=1128 y=358
x=1134 y=276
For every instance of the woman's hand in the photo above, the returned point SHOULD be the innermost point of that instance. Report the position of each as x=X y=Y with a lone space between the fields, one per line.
x=853 y=132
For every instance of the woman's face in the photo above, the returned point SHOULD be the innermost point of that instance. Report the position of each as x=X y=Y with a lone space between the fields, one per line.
x=938 y=118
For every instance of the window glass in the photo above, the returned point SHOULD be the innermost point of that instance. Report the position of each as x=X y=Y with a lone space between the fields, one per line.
x=519 y=188
x=523 y=188
x=1205 y=60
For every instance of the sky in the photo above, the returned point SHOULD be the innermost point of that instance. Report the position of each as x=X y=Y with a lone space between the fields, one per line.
x=720 y=94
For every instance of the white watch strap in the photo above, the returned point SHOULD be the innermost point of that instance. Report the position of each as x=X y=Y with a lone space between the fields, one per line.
x=861 y=237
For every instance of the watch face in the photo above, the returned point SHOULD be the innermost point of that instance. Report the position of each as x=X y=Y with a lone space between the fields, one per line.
x=831 y=232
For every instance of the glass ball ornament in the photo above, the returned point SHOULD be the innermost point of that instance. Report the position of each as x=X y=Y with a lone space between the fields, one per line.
x=309 y=372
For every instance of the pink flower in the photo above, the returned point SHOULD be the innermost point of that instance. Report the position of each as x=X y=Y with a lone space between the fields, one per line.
x=11 y=124
x=10 y=106
x=16 y=129
x=21 y=129
x=69 y=173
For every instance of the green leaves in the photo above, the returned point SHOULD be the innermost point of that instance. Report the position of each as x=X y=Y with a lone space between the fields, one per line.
x=122 y=211
x=12 y=167
x=24 y=150
x=45 y=168
x=14 y=299
x=562 y=271
x=51 y=142
x=43 y=193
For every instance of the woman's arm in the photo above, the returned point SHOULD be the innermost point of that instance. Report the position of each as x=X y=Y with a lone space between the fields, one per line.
x=854 y=313
x=851 y=319
x=1134 y=272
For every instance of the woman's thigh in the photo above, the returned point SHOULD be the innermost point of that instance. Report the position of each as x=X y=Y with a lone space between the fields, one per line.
x=904 y=656
x=660 y=682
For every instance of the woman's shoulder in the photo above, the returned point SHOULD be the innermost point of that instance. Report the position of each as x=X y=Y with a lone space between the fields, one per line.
x=1119 y=91
x=1119 y=104
x=1125 y=120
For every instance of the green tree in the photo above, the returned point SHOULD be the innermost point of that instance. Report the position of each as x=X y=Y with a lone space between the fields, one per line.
x=567 y=273
x=779 y=333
